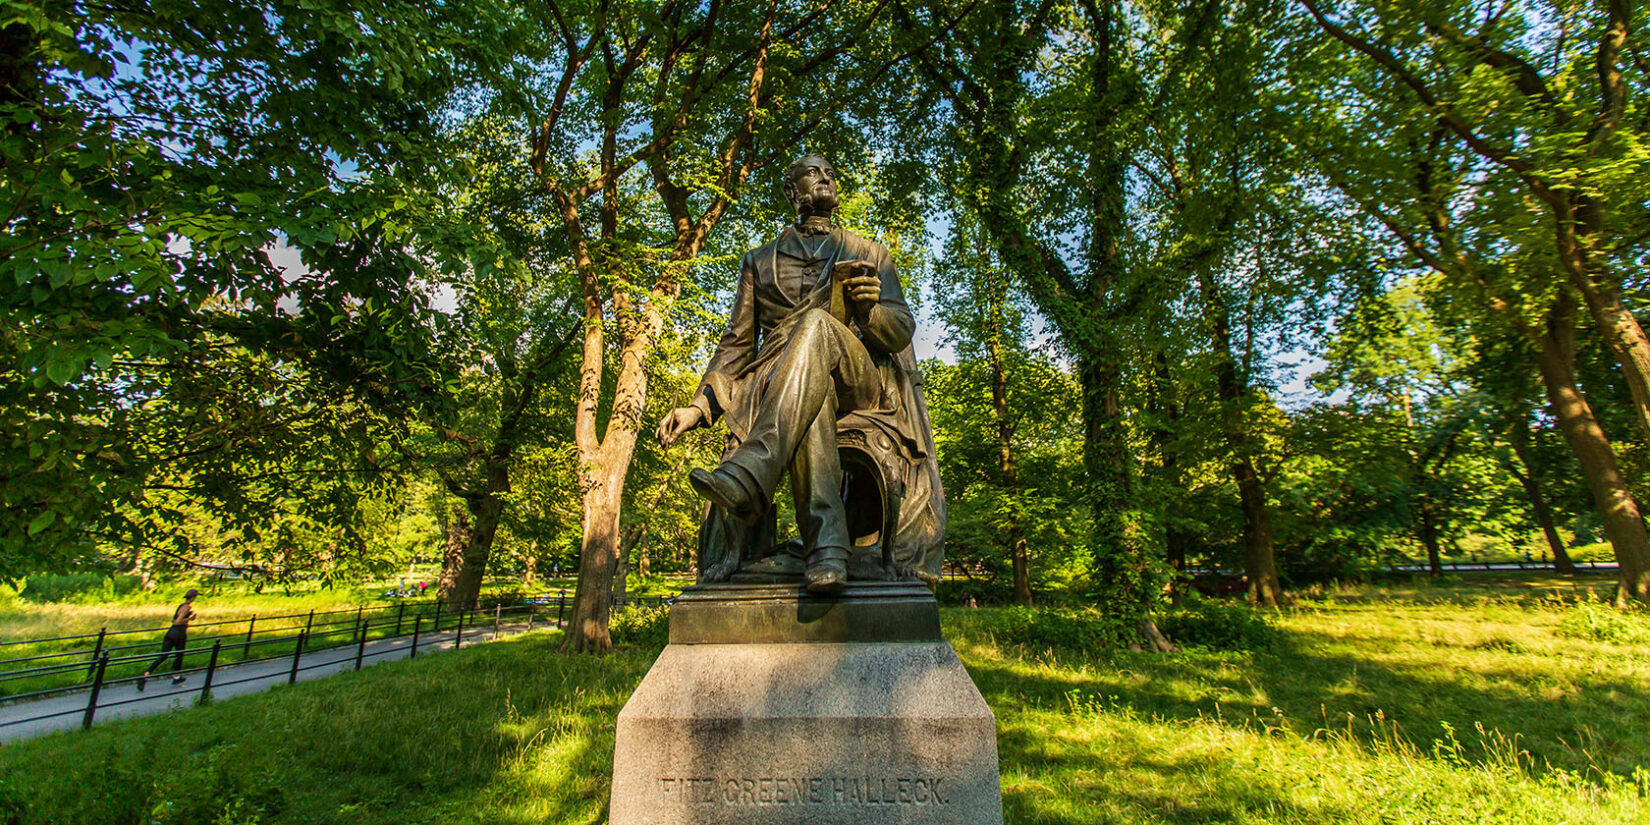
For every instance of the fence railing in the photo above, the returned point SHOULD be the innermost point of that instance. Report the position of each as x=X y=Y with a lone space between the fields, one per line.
x=1423 y=567
x=1501 y=565
x=290 y=637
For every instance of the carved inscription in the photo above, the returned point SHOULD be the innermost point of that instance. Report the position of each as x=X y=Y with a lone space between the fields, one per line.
x=819 y=791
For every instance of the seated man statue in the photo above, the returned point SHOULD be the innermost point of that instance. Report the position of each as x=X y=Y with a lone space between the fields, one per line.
x=817 y=355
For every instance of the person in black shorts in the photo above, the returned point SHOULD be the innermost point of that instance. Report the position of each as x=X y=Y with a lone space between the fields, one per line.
x=175 y=639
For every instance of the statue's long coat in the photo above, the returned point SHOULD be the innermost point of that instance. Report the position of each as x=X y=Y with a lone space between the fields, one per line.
x=767 y=303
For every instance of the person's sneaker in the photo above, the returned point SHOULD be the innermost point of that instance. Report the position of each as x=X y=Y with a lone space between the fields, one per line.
x=177 y=680
x=142 y=680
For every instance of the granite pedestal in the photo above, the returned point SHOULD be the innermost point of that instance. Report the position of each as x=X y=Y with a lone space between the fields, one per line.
x=772 y=705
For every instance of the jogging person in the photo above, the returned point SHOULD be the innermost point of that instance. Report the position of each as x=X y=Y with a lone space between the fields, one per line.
x=175 y=639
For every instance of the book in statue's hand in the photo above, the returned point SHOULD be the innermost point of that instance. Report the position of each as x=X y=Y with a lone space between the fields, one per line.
x=841 y=271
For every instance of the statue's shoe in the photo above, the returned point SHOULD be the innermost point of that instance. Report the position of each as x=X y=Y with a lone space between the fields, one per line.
x=723 y=490
x=827 y=576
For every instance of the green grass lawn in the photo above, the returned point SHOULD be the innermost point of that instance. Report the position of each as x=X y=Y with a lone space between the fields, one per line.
x=223 y=611
x=1479 y=702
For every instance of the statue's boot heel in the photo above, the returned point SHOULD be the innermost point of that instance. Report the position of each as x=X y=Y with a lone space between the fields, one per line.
x=723 y=490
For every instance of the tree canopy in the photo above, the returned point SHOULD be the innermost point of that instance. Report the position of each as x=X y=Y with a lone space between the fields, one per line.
x=278 y=275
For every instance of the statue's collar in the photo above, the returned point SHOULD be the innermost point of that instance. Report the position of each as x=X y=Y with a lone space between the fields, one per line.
x=793 y=244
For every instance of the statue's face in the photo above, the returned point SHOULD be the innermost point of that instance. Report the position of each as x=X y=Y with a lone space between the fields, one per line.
x=811 y=186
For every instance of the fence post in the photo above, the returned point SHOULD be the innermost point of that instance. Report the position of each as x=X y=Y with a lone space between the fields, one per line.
x=458 y=638
x=91 y=667
x=211 y=666
x=400 y=610
x=246 y=646
x=497 y=609
x=437 y=628
x=358 y=609
x=309 y=622
x=292 y=676
x=97 y=688
x=418 y=623
x=361 y=646
x=561 y=605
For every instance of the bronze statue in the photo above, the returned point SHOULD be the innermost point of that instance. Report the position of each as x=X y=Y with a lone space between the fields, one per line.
x=815 y=373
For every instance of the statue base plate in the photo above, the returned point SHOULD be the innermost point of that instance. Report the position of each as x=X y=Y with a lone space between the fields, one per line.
x=780 y=612
x=806 y=727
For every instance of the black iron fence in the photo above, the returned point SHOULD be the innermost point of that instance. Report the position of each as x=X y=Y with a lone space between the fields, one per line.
x=1501 y=565
x=104 y=660
x=1450 y=567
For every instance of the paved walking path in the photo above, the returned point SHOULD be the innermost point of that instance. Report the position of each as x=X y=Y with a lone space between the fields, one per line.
x=121 y=699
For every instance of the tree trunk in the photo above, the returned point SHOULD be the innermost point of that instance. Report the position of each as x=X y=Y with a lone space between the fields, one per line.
x=1122 y=568
x=1260 y=562
x=598 y=556
x=1259 y=558
x=1165 y=409
x=1010 y=473
x=1540 y=509
x=1428 y=534
x=621 y=575
x=1577 y=227
x=530 y=567
x=1617 y=509
x=452 y=557
x=484 y=517
x=1625 y=337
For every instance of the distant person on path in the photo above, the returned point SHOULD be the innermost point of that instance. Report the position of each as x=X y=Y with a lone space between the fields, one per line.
x=175 y=639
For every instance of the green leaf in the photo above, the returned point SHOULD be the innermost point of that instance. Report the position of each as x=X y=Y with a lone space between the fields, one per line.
x=42 y=521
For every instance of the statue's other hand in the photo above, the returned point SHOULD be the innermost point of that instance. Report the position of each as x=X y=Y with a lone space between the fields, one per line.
x=863 y=290
x=678 y=421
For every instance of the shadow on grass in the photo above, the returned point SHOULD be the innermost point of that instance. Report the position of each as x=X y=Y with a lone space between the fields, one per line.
x=1130 y=776
x=1500 y=706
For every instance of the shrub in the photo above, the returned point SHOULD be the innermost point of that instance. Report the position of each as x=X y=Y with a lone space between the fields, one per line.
x=1058 y=629
x=955 y=593
x=641 y=626
x=1214 y=625
x=1601 y=623
x=48 y=587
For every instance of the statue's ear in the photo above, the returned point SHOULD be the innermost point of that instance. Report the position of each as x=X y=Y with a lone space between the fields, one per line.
x=790 y=192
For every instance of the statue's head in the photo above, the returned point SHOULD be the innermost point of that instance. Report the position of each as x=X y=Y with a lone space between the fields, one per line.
x=810 y=186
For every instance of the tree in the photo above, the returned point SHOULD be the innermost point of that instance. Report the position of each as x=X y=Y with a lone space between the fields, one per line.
x=987 y=326
x=1232 y=234
x=1017 y=151
x=149 y=158
x=1540 y=95
x=1445 y=190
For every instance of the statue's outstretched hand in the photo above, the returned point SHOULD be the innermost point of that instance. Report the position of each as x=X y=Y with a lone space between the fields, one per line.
x=678 y=421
